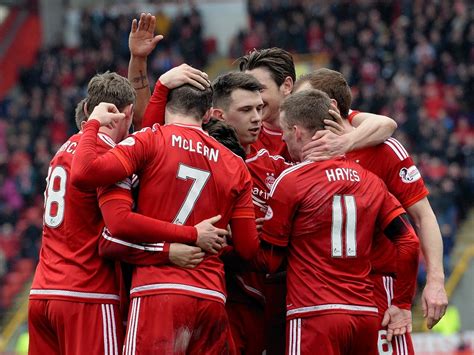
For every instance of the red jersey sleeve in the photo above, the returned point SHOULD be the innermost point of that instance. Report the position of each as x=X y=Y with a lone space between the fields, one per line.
x=116 y=206
x=155 y=110
x=390 y=208
x=243 y=207
x=281 y=208
x=401 y=175
x=136 y=254
x=351 y=115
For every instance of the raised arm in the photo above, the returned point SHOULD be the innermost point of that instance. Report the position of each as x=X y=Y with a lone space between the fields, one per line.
x=141 y=42
x=370 y=129
x=434 y=298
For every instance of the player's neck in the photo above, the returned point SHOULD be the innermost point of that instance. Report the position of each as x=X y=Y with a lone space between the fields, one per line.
x=112 y=133
x=186 y=120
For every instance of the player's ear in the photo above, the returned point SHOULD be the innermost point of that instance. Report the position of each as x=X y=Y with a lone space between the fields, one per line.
x=217 y=113
x=298 y=132
x=334 y=103
x=128 y=110
x=84 y=108
x=287 y=87
x=82 y=124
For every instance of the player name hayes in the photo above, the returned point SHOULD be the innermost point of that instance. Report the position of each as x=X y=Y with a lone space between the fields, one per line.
x=342 y=174
x=195 y=147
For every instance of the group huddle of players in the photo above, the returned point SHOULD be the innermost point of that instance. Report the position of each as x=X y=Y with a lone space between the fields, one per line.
x=257 y=213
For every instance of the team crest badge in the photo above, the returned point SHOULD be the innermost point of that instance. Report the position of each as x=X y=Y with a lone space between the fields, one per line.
x=269 y=180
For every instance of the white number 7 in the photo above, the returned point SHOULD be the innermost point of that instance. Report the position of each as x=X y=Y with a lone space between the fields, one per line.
x=200 y=178
x=337 y=222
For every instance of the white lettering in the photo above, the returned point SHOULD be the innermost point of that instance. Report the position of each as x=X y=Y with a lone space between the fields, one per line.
x=342 y=174
x=198 y=147
x=176 y=140
x=339 y=174
x=330 y=175
x=71 y=148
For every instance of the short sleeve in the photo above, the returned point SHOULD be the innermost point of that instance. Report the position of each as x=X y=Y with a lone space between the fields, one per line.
x=352 y=114
x=402 y=177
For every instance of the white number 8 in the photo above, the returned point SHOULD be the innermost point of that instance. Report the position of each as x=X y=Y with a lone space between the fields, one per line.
x=55 y=197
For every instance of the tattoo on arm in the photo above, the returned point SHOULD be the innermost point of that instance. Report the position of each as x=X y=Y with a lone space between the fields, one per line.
x=140 y=82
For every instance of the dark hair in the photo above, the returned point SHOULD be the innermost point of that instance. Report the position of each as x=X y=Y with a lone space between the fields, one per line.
x=189 y=100
x=332 y=83
x=226 y=84
x=276 y=60
x=225 y=135
x=308 y=108
x=112 y=88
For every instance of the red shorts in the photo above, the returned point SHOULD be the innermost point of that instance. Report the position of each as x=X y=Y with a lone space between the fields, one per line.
x=68 y=327
x=275 y=314
x=383 y=295
x=177 y=324
x=247 y=327
x=332 y=334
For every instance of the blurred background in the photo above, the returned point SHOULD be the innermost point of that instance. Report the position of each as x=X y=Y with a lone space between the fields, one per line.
x=412 y=60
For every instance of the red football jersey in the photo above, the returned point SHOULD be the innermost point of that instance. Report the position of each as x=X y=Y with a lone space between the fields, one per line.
x=272 y=141
x=326 y=213
x=391 y=162
x=69 y=264
x=185 y=177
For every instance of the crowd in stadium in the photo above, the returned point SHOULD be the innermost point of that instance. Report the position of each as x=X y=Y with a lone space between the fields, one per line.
x=411 y=63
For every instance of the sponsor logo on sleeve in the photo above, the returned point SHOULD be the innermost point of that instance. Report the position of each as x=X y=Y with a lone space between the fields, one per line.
x=410 y=174
x=269 y=214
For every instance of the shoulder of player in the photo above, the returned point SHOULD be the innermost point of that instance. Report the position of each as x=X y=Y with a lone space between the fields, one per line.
x=288 y=175
x=394 y=149
x=264 y=154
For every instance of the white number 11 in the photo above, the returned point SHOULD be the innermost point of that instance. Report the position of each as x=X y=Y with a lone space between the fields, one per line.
x=337 y=223
x=200 y=178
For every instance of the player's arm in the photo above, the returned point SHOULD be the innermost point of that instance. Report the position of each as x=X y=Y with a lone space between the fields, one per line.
x=141 y=43
x=434 y=297
x=90 y=170
x=370 y=129
x=149 y=253
x=173 y=78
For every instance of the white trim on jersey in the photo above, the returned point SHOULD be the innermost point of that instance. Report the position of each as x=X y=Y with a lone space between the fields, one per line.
x=110 y=330
x=91 y=295
x=294 y=343
x=173 y=286
x=331 y=306
x=398 y=148
x=106 y=139
x=261 y=153
x=250 y=288
x=188 y=126
x=286 y=172
x=388 y=286
x=131 y=338
x=401 y=344
x=142 y=246
x=273 y=133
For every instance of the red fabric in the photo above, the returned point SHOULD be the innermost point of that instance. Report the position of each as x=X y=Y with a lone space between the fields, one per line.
x=247 y=327
x=155 y=110
x=303 y=202
x=133 y=227
x=177 y=324
x=352 y=114
x=69 y=258
x=384 y=287
x=332 y=334
x=178 y=158
x=272 y=141
x=64 y=327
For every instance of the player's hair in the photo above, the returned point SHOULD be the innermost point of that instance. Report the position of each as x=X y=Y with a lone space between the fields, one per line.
x=225 y=135
x=80 y=114
x=332 y=83
x=190 y=101
x=276 y=60
x=112 y=88
x=225 y=84
x=308 y=108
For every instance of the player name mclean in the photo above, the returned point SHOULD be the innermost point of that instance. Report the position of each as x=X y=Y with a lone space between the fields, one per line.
x=195 y=147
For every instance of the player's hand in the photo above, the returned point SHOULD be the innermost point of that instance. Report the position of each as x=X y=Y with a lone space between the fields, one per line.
x=142 y=40
x=210 y=238
x=398 y=321
x=259 y=223
x=434 y=301
x=336 y=127
x=185 y=255
x=107 y=114
x=185 y=74
x=325 y=145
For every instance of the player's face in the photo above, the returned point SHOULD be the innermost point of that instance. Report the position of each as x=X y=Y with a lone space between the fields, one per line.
x=289 y=137
x=272 y=96
x=305 y=86
x=245 y=115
